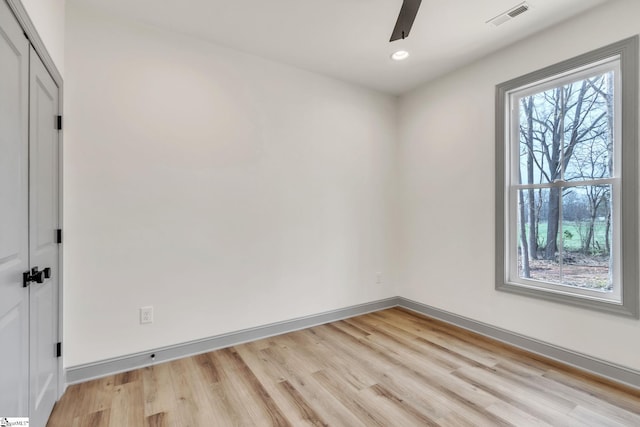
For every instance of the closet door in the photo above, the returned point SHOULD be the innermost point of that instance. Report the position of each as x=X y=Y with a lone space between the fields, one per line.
x=14 y=300
x=43 y=246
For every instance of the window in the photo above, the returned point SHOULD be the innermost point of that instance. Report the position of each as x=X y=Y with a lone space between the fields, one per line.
x=567 y=181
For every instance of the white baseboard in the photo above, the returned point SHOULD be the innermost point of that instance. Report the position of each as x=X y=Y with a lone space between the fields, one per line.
x=617 y=373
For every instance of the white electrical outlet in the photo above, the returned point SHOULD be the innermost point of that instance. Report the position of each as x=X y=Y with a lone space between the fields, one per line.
x=146 y=315
x=378 y=278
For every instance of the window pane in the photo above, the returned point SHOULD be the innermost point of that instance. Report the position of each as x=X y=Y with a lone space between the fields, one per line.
x=534 y=262
x=538 y=118
x=588 y=128
x=571 y=125
x=586 y=237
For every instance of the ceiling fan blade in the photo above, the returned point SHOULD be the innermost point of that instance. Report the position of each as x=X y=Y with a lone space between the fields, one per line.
x=408 y=13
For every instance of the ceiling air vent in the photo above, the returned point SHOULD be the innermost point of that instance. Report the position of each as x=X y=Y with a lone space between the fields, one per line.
x=509 y=14
x=518 y=10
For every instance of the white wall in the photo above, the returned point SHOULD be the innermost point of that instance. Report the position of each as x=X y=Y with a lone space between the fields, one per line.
x=225 y=190
x=229 y=191
x=447 y=180
x=48 y=16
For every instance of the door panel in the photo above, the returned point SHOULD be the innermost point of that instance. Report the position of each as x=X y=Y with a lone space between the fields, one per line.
x=43 y=249
x=14 y=255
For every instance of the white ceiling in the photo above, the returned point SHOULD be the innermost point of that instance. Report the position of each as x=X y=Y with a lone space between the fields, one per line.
x=349 y=39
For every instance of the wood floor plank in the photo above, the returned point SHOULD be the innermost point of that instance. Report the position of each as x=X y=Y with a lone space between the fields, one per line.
x=316 y=397
x=307 y=414
x=391 y=338
x=157 y=420
x=299 y=412
x=250 y=382
x=392 y=367
x=588 y=417
x=94 y=419
x=398 y=408
x=515 y=354
x=159 y=396
x=411 y=390
x=194 y=397
x=227 y=410
x=580 y=397
x=127 y=377
x=601 y=391
x=459 y=393
x=515 y=416
x=353 y=401
x=84 y=402
x=456 y=420
x=432 y=332
x=64 y=410
x=539 y=406
x=348 y=364
x=438 y=380
x=250 y=393
x=127 y=406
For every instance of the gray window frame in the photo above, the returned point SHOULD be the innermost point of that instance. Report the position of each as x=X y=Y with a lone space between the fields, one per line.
x=627 y=50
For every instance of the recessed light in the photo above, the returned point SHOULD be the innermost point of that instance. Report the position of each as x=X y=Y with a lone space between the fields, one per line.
x=400 y=55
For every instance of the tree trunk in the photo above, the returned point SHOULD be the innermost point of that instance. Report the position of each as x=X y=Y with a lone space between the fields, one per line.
x=537 y=217
x=533 y=230
x=589 y=239
x=607 y=240
x=533 y=225
x=609 y=196
x=553 y=223
x=523 y=240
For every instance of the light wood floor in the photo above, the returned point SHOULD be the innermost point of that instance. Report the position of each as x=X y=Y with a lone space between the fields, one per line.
x=390 y=368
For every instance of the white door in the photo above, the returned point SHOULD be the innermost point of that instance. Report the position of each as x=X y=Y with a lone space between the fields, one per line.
x=14 y=255
x=43 y=246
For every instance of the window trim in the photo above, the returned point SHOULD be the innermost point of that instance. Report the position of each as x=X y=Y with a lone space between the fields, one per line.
x=627 y=50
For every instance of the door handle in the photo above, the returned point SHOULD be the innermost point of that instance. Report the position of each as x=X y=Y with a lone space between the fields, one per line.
x=39 y=277
x=35 y=275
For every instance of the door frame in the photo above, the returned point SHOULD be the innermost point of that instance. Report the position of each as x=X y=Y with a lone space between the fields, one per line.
x=30 y=31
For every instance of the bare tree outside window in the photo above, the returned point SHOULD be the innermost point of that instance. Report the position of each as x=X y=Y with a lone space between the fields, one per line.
x=566 y=136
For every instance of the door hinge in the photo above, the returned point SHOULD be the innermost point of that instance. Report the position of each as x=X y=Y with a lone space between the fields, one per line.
x=58 y=236
x=59 y=123
x=59 y=349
